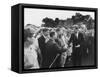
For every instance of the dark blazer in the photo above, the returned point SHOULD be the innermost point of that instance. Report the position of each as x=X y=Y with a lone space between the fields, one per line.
x=52 y=49
x=77 y=51
x=77 y=41
x=41 y=42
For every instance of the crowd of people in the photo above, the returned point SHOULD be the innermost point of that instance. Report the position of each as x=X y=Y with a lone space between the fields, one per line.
x=52 y=48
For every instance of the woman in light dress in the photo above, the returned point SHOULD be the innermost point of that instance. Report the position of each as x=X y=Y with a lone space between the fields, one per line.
x=31 y=51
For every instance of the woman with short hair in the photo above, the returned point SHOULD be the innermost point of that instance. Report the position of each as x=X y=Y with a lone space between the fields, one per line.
x=30 y=50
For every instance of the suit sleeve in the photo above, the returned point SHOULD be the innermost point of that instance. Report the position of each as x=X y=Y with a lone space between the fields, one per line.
x=58 y=48
x=70 y=40
x=41 y=43
x=81 y=39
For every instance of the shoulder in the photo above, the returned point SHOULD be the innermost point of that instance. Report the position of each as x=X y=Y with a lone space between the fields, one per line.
x=80 y=34
x=35 y=41
x=41 y=37
x=50 y=42
x=57 y=40
x=73 y=34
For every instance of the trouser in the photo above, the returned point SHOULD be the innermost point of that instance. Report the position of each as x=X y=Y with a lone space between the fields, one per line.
x=76 y=57
x=63 y=59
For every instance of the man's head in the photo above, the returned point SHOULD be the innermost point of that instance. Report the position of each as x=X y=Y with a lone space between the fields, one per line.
x=53 y=35
x=45 y=32
x=76 y=28
x=59 y=31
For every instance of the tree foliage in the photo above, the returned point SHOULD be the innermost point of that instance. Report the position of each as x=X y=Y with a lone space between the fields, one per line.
x=68 y=22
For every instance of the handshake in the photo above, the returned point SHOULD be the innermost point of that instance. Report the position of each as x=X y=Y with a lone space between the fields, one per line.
x=77 y=45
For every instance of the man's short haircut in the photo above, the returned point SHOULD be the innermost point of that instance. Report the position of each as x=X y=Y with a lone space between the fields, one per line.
x=76 y=27
x=45 y=30
x=58 y=29
x=52 y=34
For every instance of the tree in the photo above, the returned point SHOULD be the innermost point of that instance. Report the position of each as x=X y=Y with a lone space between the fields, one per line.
x=49 y=22
x=57 y=21
x=86 y=19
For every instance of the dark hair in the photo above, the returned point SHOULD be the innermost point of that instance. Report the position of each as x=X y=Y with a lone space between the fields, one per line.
x=45 y=30
x=52 y=34
x=76 y=27
x=27 y=33
x=58 y=29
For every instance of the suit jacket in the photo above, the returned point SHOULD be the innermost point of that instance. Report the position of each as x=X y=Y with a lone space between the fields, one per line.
x=41 y=42
x=52 y=49
x=77 y=41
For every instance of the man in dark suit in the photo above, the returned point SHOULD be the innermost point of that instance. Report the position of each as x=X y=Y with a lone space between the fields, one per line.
x=42 y=43
x=52 y=50
x=77 y=40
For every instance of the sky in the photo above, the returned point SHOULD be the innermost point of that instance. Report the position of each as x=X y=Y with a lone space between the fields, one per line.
x=35 y=16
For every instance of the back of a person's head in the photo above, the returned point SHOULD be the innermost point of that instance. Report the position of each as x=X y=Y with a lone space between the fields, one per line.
x=45 y=30
x=52 y=34
x=58 y=29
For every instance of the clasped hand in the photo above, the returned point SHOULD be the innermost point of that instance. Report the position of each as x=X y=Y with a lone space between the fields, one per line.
x=77 y=46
